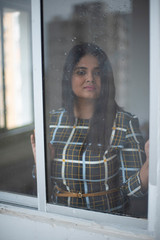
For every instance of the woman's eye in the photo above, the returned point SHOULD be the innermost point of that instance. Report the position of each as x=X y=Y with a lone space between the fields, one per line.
x=97 y=73
x=81 y=73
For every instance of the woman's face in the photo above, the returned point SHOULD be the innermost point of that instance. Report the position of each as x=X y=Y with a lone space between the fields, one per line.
x=86 y=82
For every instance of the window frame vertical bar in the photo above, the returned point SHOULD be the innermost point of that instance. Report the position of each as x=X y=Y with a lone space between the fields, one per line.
x=154 y=167
x=3 y=67
x=38 y=103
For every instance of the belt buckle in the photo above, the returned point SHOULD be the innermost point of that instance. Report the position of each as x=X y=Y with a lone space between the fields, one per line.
x=80 y=195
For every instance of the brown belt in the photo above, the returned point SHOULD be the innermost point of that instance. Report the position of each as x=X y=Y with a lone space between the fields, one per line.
x=63 y=193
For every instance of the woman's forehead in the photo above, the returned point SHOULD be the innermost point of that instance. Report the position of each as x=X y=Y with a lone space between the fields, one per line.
x=89 y=60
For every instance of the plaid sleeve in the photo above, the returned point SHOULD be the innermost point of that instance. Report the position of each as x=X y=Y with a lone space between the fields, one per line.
x=132 y=157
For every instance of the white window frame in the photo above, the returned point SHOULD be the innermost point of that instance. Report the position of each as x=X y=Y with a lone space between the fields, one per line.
x=126 y=224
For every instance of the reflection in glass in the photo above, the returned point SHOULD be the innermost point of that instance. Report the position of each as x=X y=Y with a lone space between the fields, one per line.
x=114 y=29
x=16 y=106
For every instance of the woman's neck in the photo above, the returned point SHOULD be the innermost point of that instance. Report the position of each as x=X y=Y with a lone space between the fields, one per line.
x=84 y=108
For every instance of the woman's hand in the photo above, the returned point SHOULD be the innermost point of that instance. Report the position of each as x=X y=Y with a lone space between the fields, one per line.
x=147 y=150
x=33 y=144
x=144 y=172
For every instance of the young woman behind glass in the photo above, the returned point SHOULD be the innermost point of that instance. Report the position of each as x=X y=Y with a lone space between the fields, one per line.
x=97 y=150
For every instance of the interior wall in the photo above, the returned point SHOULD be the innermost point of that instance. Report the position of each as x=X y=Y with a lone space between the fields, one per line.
x=138 y=84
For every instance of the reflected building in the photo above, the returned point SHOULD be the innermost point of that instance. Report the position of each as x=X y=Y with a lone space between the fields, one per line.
x=89 y=22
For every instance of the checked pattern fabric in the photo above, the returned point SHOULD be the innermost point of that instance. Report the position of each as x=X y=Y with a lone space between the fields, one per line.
x=82 y=171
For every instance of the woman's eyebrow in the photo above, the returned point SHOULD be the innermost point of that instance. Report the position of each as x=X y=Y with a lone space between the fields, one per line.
x=80 y=68
x=97 y=68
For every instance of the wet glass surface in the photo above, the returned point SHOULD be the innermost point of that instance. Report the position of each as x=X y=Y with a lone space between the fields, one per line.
x=121 y=29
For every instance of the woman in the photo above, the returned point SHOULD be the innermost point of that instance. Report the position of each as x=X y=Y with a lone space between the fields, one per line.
x=97 y=149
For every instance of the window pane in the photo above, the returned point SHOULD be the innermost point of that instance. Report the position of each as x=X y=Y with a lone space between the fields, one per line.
x=99 y=163
x=16 y=103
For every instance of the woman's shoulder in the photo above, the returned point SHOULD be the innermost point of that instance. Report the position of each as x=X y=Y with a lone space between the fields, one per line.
x=125 y=115
x=59 y=115
x=57 y=112
x=124 y=119
x=125 y=125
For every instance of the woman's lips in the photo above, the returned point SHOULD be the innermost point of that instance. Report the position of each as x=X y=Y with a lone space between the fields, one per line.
x=90 y=88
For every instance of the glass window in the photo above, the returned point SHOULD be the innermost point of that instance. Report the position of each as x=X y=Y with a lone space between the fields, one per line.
x=83 y=162
x=138 y=46
x=16 y=100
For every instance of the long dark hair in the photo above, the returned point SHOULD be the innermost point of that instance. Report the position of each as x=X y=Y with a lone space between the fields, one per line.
x=106 y=107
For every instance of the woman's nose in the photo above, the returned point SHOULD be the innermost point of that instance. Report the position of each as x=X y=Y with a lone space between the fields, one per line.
x=90 y=77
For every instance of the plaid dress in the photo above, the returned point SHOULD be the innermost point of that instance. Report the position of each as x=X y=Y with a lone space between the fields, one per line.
x=77 y=171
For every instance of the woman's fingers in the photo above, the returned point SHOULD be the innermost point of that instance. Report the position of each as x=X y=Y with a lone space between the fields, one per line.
x=33 y=144
x=32 y=140
x=32 y=137
x=147 y=149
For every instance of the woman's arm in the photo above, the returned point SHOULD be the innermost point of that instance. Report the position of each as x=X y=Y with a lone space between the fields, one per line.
x=134 y=164
x=145 y=169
